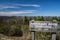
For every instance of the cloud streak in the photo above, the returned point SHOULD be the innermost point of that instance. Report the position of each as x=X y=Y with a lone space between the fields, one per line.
x=33 y=5
x=17 y=5
x=12 y=13
x=5 y=7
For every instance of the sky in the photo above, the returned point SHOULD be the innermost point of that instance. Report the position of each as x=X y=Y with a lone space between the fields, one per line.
x=29 y=7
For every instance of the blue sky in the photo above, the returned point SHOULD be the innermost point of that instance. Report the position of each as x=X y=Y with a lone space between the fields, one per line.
x=29 y=7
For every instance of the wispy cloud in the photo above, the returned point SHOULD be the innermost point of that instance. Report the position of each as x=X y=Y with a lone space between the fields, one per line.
x=12 y=13
x=33 y=5
x=4 y=7
x=17 y=5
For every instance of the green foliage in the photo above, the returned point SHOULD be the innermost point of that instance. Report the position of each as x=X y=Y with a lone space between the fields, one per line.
x=40 y=18
x=25 y=19
x=4 y=29
x=54 y=18
x=11 y=30
x=11 y=21
x=15 y=31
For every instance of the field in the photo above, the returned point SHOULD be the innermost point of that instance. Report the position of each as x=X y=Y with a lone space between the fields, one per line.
x=17 y=28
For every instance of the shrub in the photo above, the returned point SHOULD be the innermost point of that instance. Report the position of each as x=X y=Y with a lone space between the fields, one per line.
x=4 y=29
x=11 y=31
x=16 y=31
